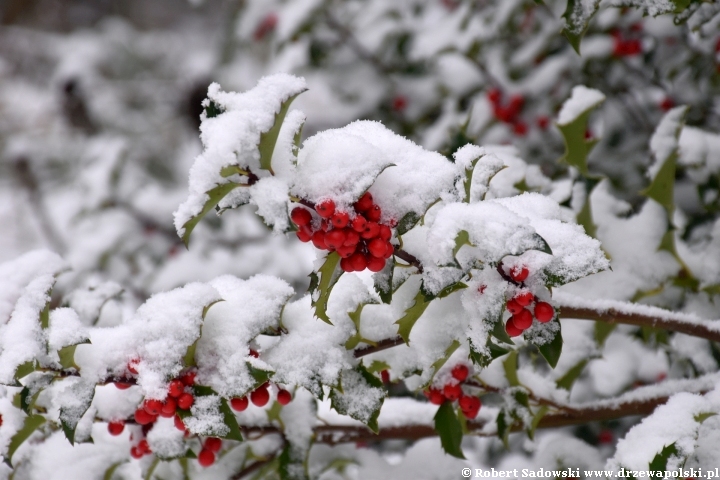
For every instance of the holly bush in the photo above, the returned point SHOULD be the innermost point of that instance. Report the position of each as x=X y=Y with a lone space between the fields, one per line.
x=450 y=234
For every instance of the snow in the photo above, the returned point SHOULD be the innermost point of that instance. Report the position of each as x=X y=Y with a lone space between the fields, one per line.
x=206 y=419
x=232 y=138
x=664 y=141
x=581 y=100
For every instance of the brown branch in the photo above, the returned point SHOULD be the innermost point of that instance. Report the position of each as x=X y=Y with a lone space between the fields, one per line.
x=381 y=345
x=252 y=467
x=702 y=329
x=409 y=258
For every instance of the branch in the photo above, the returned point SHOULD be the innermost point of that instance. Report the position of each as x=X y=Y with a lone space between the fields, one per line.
x=381 y=345
x=409 y=258
x=614 y=312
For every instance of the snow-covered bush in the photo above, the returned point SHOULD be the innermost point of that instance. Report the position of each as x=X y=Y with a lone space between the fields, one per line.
x=471 y=302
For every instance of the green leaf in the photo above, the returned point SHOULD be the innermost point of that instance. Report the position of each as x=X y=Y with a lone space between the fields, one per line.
x=510 y=367
x=70 y=416
x=499 y=332
x=29 y=426
x=701 y=417
x=544 y=247
x=212 y=109
x=451 y=289
x=567 y=380
x=329 y=274
x=412 y=314
x=577 y=21
x=408 y=221
x=462 y=238
x=577 y=146
x=536 y=420
x=291 y=465
x=45 y=313
x=25 y=369
x=269 y=138
x=659 y=463
x=603 y=331
x=111 y=470
x=438 y=364
x=503 y=427
x=449 y=429
x=496 y=351
x=260 y=376
x=552 y=350
x=662 y=187
x=355 y=385
x=67 y=355
x=383 y=282
x=214 y=197
x=230 y=422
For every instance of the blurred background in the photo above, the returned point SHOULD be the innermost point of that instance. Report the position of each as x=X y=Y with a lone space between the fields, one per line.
x=100 y=104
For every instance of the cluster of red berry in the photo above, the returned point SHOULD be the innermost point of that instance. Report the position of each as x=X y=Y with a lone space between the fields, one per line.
x=452 y=391
x=626 y=47
x=211 y=446
x=358 y=237
x=519 y=306
x=260 y=397
x=509 y=113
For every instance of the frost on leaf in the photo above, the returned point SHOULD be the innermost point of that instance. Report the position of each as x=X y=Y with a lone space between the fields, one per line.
x=361 y=396
x=74 y=396
x=572 y=122
x=239 y=139
x=207 y=419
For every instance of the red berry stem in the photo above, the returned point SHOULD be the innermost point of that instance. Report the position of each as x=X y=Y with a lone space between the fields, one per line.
x=409 y=258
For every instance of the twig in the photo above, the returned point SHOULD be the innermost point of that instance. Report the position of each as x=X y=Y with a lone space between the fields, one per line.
x=409 y=258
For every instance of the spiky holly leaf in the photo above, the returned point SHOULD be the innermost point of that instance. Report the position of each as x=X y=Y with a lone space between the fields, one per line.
x=449 y=429
x=30 y=424
x=326 y=278
x=269 y=139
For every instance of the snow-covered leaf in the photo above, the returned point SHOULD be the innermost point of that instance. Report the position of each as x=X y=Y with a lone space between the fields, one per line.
x=321 y=287
x=360 y=396
x=572 y=122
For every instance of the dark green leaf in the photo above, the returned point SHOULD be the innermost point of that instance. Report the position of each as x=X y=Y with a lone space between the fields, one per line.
x=577 y=146
x=495 y=351
x=29 y=426
x=214 y=197
x=412 y=314
x=577 y=21
x=212 y=109
x=567 y=380
x=341 y=398
x=446 y=355
x=449 y=429
x=552 y=350
x=536 y=421
x=544 y=247
x=408 y=221
x=510 y=367
x=67 y=355
x=230 y=422
x=269 y=138
x=503 y=427
x=329 y=274
x=383 y=282
x=659 y=463
x=451 y=289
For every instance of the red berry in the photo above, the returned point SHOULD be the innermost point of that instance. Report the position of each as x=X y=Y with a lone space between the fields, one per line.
x=494 y=95
x=523 y=319
x=435 y=396
x=399 y=103
x=185 y=401
x=524 y=299
x=300 y=216
x=144 y=418
x=460 y=372
x=168 y=408
x=359 y=223
x=372 y=230
x=143 y=446
x=605 y=436
x=318 y=240
x=254 y=353
x=351 y=237
x=153 y=407
x=206 y=457
x=304 y=234
x=544 y=312
x=543 y=122
x=136 y=453
x=266 y=26
x=452 y=391
x=358 y=261
x=374 y=213
x=385 y=232
x=667 y=104
x=213 y=444
x=520 y=128
x=132 y=366
x=284 y=397
x=116 y=428
x=390 y=249
x=189 y=378
x=176 y=388
x=326 y=208
x=470 y=406
x=346 y=251
x=179 y=424
x=122 y=385
x=516 y=104
x=260 y=396
x=340 y=219
x=346 y=265
x=513 y=306
x=511 y=329
x=364 y=203
x=239 y=404
x=375 y=264
x=519 y=273
x=385 y=376
x=334 y=239
x=377 y=247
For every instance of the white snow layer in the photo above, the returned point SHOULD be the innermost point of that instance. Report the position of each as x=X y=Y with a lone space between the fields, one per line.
x=581 y=100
